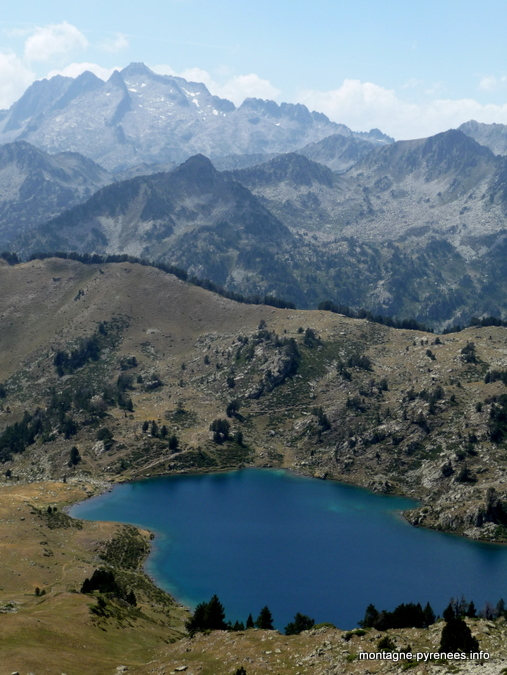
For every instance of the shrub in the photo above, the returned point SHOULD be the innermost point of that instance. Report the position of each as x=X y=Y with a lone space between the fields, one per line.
x=75 y=457
x=385 y=644
x=232 y=408
x=105 y=435
x=468 y=354
x=456 y=636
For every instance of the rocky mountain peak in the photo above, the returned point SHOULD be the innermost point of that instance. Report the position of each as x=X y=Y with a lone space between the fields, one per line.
x=261 y=106
x=291 y=167
x=298 y=112
x=450 y=153
x=136 y=69
x=116 y=80
x=154 y=119
x=39 y=97
x=375 y=135
x=339 y=152
x=84 y=83
x=196 y=170
x=35 y=186
x=493 y=136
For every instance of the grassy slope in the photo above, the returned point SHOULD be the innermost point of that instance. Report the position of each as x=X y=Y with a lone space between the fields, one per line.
x=57 y=632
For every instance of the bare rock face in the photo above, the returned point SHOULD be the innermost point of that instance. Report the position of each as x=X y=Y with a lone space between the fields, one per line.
x=477 y=513
x=493 y=136
x=99 y=448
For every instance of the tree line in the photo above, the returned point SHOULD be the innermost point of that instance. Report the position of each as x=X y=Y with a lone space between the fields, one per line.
x=270 y=300
x=456 y=634
x=211 y=616
x=407 y=324
x=96 y=259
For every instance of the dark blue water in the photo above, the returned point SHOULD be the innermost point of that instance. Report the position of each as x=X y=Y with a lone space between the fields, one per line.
x=296 y=544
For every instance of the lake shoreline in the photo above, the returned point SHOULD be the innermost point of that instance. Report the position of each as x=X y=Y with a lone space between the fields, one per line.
x=206 y=513
x=411 y=516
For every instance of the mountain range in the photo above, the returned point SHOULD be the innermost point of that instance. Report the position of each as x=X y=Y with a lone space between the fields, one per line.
x=406 y=231
x=493 y=136
x=139 y=116
x=278 y=200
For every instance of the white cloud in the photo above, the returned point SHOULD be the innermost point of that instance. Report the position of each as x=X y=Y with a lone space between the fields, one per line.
x=115 y=43
x=364 y=105
x=163 y=69
x=412 y=83
x=491 y=82
x=53 y=40
x=17 y=32
x=14 y=79
x=244 y=86
x=189 y=74
x=75 y=69
x=236 y=88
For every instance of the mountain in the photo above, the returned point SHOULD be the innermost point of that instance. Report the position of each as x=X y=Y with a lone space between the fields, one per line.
x=493 y=136
x=429 y=215
x=341 y=152
x=140 y=117
x=439 y=183
x=414 y=230
x=193 y=216
x=446 y=186
x=299 y=191
x=35 y=186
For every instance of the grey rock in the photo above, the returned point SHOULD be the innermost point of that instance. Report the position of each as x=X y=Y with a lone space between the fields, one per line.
x=493 y=136
x=150 y=118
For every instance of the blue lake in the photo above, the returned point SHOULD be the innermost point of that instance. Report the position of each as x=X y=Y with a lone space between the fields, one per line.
x=261 y=537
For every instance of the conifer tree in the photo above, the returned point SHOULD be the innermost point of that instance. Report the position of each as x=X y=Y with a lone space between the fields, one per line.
x=216 y=614
x=456 y=636
x=301 y=622
x=207 y=616
x=429 y=615
x=371 y=617
x=265 y=619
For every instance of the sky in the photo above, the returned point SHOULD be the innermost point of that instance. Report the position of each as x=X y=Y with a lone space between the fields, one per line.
x=410 y=69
